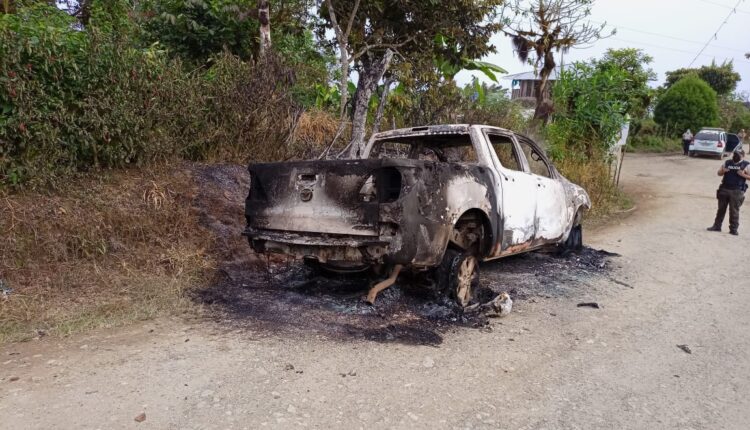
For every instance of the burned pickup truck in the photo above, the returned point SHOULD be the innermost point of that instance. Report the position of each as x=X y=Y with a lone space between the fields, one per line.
x=432 y=200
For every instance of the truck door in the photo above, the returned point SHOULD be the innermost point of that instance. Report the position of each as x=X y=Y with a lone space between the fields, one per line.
x=518 y=188
x=551 y=210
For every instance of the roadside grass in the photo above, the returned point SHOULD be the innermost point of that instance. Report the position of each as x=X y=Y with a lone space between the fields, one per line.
x=654 y=144
x=103 y=250
x=108 y=247
x=595 y=178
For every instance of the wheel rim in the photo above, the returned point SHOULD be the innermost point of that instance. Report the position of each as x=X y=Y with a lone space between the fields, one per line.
x=466 y=273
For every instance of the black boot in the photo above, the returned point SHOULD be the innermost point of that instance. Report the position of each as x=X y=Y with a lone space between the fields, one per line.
x=714 y=228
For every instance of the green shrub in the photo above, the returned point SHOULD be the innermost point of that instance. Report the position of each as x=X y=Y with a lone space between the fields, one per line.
x=497 y=111
x=77 y=99
x=734 y=115
x=741 y=122
x=590 y=109
x=690 y=103
x=644 y=127
x=196 y=30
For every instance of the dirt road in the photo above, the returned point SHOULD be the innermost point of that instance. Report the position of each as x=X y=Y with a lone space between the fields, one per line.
x=549 y=365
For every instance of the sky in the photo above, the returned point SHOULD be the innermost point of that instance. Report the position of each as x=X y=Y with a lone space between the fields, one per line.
x=671 y=31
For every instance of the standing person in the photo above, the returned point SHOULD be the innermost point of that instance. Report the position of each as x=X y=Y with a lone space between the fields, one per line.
x=687 y=138
x=731 y=192
x=742 y=135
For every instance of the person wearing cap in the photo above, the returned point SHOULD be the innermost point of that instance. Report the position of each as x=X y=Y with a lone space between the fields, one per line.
x=687 y=139
x=731 y=192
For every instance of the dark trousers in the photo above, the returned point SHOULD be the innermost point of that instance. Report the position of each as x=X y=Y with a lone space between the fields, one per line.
x=732 y=199
x=685 y=146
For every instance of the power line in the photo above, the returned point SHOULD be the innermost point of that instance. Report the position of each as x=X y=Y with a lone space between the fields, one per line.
x=650 y=33
x=658 y=46
x=725 y=6
x=716 y=34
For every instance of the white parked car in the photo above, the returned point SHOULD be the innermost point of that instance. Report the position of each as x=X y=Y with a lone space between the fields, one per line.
x=709 y=141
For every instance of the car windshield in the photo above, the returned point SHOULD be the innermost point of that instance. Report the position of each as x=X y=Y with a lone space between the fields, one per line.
x=707 y=136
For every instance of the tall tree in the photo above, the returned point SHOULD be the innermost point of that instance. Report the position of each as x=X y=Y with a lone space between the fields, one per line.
x=539 y=28
x=634 y=63
x=264 y=19
x=342 y=34
x=384 y=32
x=199 y=29
x=689 y=103
x=722 y=78
x=9 y=6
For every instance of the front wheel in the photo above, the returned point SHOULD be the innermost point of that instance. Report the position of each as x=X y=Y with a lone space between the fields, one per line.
x=574 y=242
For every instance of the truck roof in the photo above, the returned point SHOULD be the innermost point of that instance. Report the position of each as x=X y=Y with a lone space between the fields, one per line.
x=432 y=129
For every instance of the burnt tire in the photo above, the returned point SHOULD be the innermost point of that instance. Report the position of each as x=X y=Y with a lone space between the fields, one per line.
x=574 y=242
x=458 y=276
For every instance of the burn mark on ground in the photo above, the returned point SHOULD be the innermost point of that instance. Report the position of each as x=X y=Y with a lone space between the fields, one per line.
x=285 y=297
x=281 y=297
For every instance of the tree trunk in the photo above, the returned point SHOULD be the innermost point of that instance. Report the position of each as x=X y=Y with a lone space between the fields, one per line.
x=381 y=105
x=371 y=73
x=543 y=103
x=264 y=17
x=344 y=82
x=343 y=93
x=342 y=38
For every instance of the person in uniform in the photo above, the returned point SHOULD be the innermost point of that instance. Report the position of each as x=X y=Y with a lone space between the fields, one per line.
x=731 y=192
x=687 y=139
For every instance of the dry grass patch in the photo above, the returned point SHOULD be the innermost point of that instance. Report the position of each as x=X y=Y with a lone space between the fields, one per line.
x=101 y=251
x=595 y=177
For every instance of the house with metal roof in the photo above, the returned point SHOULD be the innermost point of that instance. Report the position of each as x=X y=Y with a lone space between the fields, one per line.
x=525 y=85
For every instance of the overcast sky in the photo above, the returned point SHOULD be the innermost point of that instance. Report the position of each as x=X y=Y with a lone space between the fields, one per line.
x=671 y=31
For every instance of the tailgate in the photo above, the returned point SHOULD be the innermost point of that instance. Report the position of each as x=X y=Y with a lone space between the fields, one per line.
x=321 y=197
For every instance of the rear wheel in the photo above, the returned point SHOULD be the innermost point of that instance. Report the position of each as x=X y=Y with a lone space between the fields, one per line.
x=459 y=276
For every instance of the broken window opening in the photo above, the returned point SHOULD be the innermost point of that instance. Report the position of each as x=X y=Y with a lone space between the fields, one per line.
x=505 y=151
x=536 y=161
x=449 y=148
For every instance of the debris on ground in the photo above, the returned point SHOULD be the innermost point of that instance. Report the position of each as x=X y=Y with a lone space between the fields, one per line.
x=685 y=348
x=500 y=306
x=140 y=417
x=589 y=305
x=621 y=283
